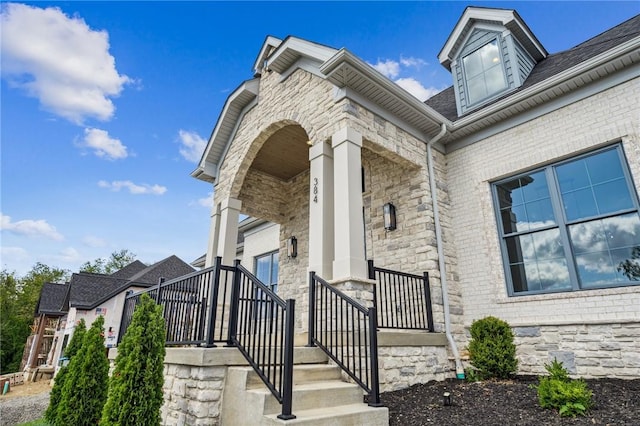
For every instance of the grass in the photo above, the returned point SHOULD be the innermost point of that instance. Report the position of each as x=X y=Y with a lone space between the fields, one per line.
x=38 y=422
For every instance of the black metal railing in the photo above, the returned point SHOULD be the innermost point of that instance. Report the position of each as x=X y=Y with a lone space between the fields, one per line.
x=346 y=331
x=402 y=300
x=262 y=329
x=227 y=304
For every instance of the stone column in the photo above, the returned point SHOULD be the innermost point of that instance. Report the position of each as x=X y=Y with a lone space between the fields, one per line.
x=349 y=259
x=228 y=232
x=321 y=210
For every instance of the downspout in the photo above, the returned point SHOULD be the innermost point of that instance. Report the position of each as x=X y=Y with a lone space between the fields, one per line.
x=441 y=262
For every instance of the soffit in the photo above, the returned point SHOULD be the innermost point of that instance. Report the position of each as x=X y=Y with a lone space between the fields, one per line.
x=293 y=49
x=285 y=154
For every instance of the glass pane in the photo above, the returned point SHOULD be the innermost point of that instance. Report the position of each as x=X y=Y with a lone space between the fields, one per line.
x=262 y=268
x=537 y=261
x=476 y=88
x=274 y=269
x=604 y=166
x=514 y=219
x=595 y=269
x=489 y=54
x=534 y=186
x=608 y=250
x=627 y=263
x=472 y=64
x=612 y=196
x=572 y=176
x=540 y=214
x=509 y=193
x=494 y=78
x=588 y=236
x=554 y=275
x=579 y=204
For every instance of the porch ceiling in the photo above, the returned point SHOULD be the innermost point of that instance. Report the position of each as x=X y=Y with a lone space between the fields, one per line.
x=285 y=154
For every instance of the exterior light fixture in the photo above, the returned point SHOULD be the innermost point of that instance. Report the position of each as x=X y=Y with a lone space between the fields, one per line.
x=292 y=247
x=446 y=399
x=389 y=213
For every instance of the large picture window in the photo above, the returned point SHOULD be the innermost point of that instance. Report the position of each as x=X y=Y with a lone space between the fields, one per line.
x=570 y=226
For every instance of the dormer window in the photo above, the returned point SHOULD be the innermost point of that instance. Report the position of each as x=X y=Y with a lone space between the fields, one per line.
x=484 y=72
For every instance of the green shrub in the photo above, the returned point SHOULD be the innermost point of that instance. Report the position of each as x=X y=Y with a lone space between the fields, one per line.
x=491 y=349
x=558 y=391
x=85 y=388
x=56 y=391
x=135 y=389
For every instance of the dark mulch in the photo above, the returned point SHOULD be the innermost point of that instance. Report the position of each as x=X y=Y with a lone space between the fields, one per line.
x=508 y=403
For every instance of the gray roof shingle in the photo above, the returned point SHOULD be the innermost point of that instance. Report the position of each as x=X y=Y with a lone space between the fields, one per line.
x=51 y=299
x=445 y=103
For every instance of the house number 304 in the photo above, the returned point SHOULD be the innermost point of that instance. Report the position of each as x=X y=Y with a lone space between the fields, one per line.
x=315 y=190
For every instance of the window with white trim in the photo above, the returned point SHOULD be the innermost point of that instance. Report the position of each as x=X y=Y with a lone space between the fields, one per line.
x=570 y=226
x=484 y=72
x=266 y=269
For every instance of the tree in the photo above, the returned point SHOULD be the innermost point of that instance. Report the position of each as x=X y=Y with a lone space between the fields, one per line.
x=85 y=388
x=135 y=389
x=18 y=300
x=56 y=392
x=117 y=261
x=631 y=267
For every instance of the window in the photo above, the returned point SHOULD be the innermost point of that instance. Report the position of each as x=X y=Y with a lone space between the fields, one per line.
x=570 y=226
x=484 y=73
x=267 y=270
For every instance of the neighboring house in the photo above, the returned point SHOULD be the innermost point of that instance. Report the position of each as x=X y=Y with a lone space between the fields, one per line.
x=516 y=189
x=88 y=295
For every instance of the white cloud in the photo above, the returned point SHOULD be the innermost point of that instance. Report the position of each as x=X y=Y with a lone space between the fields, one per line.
x=416 y=88
x=192 y=145
x=206 y=201
x=13 y=254
x=133 y=188
x=60 y=61
x=413 y=62
x=67 y=255
x=389 y=68
x=393 y=69
x=30 y=228
x=104 y=145
x=93 y=241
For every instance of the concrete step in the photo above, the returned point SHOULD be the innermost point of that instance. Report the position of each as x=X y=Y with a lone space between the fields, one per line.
x=343 y=415
x=302 y=373
x=306 y=396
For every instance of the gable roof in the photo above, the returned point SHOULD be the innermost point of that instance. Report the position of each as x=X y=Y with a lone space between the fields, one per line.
x=169 y=268
x=553 y=65
x=51 y=299
x=129 y=270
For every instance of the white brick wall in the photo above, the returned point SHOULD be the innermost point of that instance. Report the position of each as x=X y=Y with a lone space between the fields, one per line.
x=602 y=119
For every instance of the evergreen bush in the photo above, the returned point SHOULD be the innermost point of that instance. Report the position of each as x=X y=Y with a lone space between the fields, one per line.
x=491 y=349
x=56 y=391
x=135 y=389
x=85 y=388
x=558 y=391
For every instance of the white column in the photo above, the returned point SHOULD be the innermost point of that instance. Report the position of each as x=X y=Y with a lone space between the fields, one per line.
x=214 y=232
x=321 y=210
x=228 y=234
x=349 y=259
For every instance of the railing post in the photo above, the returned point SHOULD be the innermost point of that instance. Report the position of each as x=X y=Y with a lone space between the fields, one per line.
x=312 y=308
x=213 y=300
x=124 y=314
x=235 y=301
x=287 y=385
x=374 y=396
x=372 y=276
x=160 y=281
x=427 y=295
x=371 y=271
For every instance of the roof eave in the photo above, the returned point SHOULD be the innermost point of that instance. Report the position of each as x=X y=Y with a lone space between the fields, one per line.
x=335 y=68
x=212 y=157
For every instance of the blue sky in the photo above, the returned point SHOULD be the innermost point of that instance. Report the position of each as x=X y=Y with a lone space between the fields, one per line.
x=106 y=106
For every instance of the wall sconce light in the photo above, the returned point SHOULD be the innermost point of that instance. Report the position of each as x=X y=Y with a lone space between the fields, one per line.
x=292 y=247
x=389 y=213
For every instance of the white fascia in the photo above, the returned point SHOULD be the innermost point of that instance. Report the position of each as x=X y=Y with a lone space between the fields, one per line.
x=292 y=49
x=269 y=44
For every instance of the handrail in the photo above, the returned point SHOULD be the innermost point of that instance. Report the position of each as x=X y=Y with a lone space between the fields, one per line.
x=403 y=300
x=263 y=332
x=346 y=331
x=228 y=304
